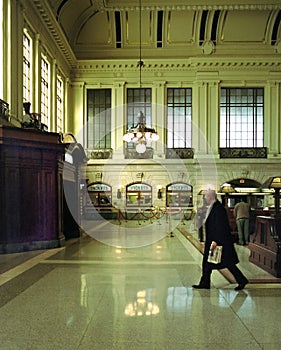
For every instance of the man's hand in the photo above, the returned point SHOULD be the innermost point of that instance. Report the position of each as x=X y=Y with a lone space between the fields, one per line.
x=214 y=244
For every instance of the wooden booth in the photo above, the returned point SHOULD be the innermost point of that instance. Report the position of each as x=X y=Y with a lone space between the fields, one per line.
x=265 y=245
x=33 y=177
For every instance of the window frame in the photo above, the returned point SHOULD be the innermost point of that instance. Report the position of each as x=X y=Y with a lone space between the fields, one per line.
x=179 y=194
x=100 y=128
x=45 y=90
x=60 y=104
x=138 y=99
x=27 y=67
x=232 y=123
x=182 y=137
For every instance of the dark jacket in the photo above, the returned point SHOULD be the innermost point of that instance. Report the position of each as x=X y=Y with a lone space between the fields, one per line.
x=218 y=230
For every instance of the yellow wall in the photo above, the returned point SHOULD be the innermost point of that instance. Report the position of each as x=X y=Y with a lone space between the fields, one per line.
x=242 y=57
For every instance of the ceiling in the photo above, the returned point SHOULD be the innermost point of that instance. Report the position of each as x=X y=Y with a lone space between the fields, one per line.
x=105 y=29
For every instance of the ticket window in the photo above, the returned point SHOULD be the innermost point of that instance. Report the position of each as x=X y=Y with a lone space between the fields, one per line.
x=138 y=195
x=179 y=195
x=256 y=200
x=100 y=195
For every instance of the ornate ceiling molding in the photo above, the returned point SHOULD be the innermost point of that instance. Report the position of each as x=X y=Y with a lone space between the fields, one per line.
x=194 y=64
x=48 y=14
x=195 y=6
x=48 y=18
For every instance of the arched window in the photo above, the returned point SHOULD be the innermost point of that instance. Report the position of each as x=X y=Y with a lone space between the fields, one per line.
x=100 y=194
x=179 y=194
x=138 y=194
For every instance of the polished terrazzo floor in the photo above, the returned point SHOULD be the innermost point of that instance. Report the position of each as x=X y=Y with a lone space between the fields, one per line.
x=98 y=294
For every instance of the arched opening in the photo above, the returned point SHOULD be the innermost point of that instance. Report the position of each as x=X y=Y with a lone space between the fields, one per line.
x=179 y=194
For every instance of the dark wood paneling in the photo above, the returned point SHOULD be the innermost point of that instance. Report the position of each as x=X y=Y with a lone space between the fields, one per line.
x=265 y=245
x=30 y=189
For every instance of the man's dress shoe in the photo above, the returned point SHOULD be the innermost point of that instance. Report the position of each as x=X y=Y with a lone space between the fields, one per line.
x=241 y=286
x=200 y=286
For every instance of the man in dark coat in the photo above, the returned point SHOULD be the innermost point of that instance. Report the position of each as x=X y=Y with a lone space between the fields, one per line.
x=218 y=232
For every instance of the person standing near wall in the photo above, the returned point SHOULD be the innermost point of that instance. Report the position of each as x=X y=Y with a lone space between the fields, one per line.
x=241 y=214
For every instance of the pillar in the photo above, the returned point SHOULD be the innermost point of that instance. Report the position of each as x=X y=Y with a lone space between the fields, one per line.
x=75 y=118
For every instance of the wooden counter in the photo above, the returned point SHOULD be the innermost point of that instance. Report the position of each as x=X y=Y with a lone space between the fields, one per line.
x=31 y=194
x=265 y=245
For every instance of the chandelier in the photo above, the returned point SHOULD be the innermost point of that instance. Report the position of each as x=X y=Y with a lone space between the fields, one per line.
x=140 y=134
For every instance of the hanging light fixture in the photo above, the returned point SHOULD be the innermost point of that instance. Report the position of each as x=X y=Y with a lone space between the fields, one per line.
x=140 y=134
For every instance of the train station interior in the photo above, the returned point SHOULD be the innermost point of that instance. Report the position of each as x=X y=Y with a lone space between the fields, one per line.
x=116 y=118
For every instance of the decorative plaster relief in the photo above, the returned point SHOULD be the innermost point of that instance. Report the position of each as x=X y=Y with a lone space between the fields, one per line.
x=208 y=47
x=187 y=64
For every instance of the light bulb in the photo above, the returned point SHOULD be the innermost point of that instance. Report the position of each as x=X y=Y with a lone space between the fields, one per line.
x=155 y=137
x=148 y=135
x=141 y=148
x=126 y=138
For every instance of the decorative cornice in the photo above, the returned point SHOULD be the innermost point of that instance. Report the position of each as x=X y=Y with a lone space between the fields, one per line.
x=48 y=18
x=195 y=64
x=190 y=7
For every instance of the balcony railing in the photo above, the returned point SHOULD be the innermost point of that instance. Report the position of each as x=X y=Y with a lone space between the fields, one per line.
x=240 y=152
x=131 y=153
x=105 y=153
x=183 y=153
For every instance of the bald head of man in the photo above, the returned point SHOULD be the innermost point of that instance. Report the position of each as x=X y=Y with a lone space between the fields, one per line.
x=210 y=196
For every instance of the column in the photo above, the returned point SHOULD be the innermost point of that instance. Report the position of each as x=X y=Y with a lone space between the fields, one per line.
x=213 y=126
x=7 y=19
x=206 y=127
x=4 y=42
x=199 y=117
x=118 y=119
x=271 y=118
x=66 y=109
x=278 y=112
x=15 y=59
x=76 y=116
x=158 y=118
x=206 y=113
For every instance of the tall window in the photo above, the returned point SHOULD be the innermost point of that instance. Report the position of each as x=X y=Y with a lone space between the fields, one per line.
x=27 y=68
x=45 y=77
x=60 y=99
x=241 y=117
x=99 y=118
x=138 y=100
x=139 y=109
x=179 y=118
